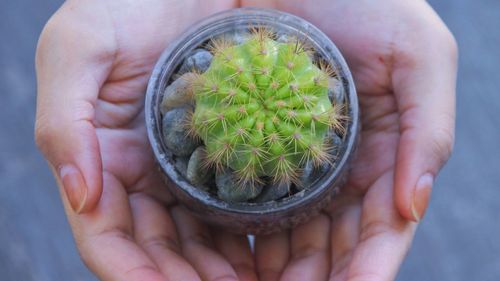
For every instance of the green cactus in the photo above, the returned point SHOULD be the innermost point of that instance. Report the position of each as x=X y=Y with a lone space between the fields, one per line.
x=262 y=108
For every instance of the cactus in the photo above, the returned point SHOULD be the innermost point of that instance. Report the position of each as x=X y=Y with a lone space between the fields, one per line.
x=262 y=108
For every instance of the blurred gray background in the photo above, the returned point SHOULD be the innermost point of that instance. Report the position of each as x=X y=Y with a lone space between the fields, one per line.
x=458 y=240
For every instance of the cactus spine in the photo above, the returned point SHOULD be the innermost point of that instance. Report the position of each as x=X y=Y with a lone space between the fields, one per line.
x=262 y=108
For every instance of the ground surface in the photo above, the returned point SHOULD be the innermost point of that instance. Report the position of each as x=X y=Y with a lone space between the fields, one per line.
x=458 y=241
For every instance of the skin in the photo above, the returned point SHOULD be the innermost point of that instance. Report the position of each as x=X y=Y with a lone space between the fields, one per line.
x=93 y=61
x=403 y=59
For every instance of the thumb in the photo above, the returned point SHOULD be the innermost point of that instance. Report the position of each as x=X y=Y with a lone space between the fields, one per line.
x=425 y=90
x=72 y=149
x=65 y=134
x=69 y=67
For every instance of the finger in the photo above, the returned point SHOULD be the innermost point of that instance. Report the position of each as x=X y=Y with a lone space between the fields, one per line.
x=237 y=251
x=105 y=238
x=272 y=253
x=344 y=238
x=71 y=65
x=385 y=236
x=259 y=3
x=310 y=257
x=424 y=84
x=155 y=232
x=198 y=248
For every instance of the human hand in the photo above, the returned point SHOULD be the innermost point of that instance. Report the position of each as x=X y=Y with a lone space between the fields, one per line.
x=93 y=62
x=403 y=59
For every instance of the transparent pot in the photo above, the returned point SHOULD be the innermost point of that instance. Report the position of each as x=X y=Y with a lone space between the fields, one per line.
x=256 y=218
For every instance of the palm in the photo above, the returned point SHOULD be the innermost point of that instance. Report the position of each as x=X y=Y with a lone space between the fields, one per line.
x=136 y=217
x=364 y=212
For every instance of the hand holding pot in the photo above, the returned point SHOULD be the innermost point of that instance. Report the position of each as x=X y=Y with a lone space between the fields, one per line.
x=403 y=59
x=93 y=62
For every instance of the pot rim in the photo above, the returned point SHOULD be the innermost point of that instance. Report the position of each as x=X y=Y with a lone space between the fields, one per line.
x=248 y=16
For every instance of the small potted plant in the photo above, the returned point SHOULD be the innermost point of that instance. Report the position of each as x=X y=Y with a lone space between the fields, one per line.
x=253 y=118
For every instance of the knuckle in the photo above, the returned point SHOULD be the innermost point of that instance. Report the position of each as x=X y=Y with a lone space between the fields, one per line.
x=199 y=238
x=307 y=250
x=88 y=244
x=44 y=133
x=442 y=142
x=413 y=45
x=376 y=228
x=161 y=241
x=52 y=124
x=443 y=137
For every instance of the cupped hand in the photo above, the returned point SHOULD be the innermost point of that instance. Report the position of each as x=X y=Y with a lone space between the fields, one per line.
x=93 y=62
x=403 y=59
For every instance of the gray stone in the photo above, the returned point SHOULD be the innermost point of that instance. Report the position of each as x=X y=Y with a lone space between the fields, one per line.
x=178 y=94
x=307 y=176
x=336 y=143
x=175 y=132
x=236 y=37
x=229 y=190
x=310 y=174
x=273 y=192
x=181 y=164
x=199 y=60
x=197 y=174
x=336 y=91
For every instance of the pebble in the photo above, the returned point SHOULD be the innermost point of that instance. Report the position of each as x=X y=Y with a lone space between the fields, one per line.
x=337 y=142
x=306 y=178
x=273 y=192
x=230 y=191
x=336 y=91
x=310 y=174
x=236 y=37
x=178 y=94
x=199 y=60
x=175 y=132
x=197 y=174
x=181 y=164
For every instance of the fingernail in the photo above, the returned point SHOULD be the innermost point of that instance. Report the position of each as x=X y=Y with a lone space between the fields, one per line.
x=74 y=186
x=421 y=196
